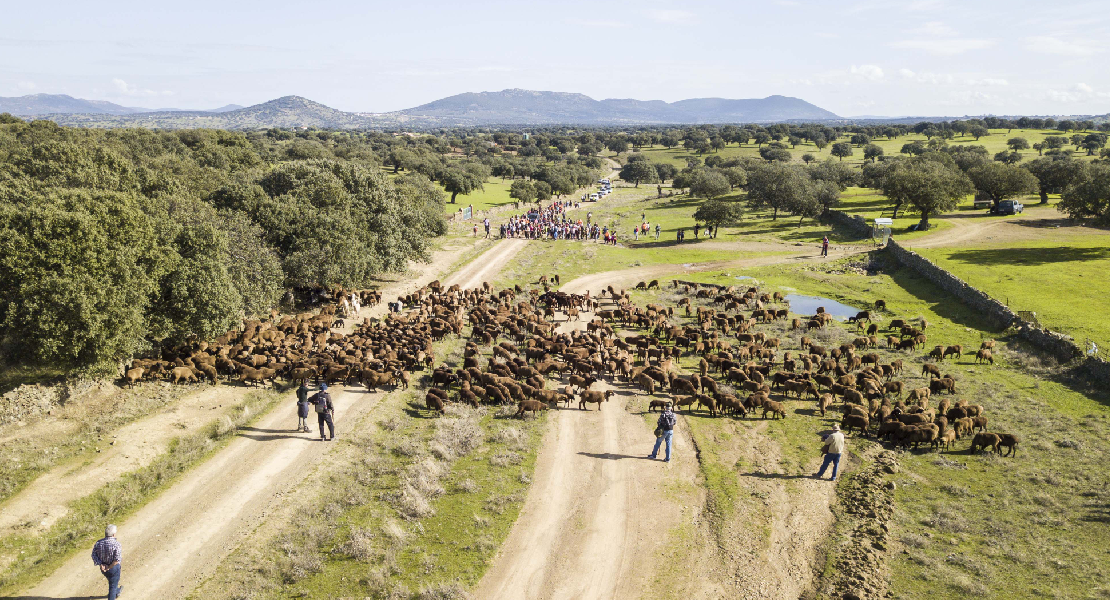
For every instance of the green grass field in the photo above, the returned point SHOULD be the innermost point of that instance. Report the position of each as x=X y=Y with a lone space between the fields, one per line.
x=1063 y=280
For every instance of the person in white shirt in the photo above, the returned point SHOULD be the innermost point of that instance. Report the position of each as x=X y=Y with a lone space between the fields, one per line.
x=833 y=447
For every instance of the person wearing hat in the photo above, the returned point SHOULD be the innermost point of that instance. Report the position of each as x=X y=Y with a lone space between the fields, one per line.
x=833 y=447
x=664 y=430
x=324 y=411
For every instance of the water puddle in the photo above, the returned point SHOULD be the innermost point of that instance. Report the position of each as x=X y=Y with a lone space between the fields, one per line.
x=807 y=305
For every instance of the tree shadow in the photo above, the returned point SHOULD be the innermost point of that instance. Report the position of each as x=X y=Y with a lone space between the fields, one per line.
x=1028 y=256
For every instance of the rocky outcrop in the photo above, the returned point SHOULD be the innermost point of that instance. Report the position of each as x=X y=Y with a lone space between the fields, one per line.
x=865 y=508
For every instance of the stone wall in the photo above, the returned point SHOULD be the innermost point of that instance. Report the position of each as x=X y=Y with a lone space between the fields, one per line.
x=856 y=225
x=1060 y=346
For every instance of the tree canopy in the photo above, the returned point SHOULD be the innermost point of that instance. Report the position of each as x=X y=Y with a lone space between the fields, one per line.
x=929 y=186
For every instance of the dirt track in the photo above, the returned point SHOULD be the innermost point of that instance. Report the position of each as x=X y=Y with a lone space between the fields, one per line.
x=597 y=512
x=180 y=537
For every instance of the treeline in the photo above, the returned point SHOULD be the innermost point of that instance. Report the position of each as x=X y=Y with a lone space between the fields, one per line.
x=929 y=182
x=115 y=240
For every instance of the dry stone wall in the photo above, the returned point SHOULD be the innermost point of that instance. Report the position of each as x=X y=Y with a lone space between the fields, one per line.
x=1060 y=346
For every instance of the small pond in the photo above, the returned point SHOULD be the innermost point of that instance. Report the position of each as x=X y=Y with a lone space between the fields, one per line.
x=807 y=305
x=743 y=277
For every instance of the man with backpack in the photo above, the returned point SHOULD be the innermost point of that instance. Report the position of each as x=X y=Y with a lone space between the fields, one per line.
x=664 y=430
x=302 y=408
x=324 y=411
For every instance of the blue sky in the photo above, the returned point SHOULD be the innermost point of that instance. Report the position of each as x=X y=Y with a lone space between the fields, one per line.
x=853 y=57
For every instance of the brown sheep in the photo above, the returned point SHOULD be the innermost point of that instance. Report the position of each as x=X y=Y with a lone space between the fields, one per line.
x=660 y=404
x=133 y=375
x=683 y=386
x=931 y=369
x=850 y=422
x=962 y=426
x=1010 y=441
x=983 y=356
x=646 y=382
x=918 y=395
x=956 y=351
x=916 y=435
x=533 y=406
x=825 y=402
x=179 y=374
x=987 y=345
x=979 y=423
x=982 y=441
x=946 y=438
x=434 y=403
x=944 y=383
x=777 y=409
x=593 y=396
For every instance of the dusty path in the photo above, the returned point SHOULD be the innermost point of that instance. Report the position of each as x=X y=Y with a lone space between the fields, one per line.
x=968 y=230
x=178 y=539
x=487 y=266
x=597 y=512
x=46 y=499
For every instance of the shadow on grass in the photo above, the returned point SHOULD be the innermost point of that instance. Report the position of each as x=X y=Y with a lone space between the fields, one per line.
x=269 y=435
x=1028 y=256
x=418 y=410
x=776 y=476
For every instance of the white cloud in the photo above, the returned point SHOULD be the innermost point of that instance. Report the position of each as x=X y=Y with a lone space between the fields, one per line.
x=869 y=72
x=926 y=77
x=992 y=81
x=670 y=16
x=26 y=85
x=943 y=47
x=923 y=5
x=128 y=89
x=935 y=29
x=1077 y=93
x=970 y=98
x=1047 y=44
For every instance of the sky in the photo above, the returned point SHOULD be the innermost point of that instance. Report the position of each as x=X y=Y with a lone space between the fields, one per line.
x=853 y=57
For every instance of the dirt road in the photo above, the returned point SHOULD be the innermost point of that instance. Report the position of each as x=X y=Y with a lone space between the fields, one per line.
x=46 y=499
x=598 y=510
x=486 y=266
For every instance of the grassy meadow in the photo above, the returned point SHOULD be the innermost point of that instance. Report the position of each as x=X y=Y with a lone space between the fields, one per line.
x=1062 y=279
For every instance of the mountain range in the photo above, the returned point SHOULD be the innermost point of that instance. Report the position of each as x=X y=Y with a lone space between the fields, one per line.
x=507 y=107
x=61 y=104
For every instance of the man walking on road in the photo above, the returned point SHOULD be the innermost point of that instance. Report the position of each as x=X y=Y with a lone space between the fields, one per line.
x=324 y=411
x=106 y=555
x=664 y=430
x=833 y=447
x=825 y=246
x=302 y=408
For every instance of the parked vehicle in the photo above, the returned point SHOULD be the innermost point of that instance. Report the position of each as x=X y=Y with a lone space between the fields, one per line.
x=594 y=197
x=1007 y=207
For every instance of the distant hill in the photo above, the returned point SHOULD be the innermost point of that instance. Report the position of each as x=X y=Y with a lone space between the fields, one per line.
x=44 y=104
x=521 y=107
x=507 y=107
